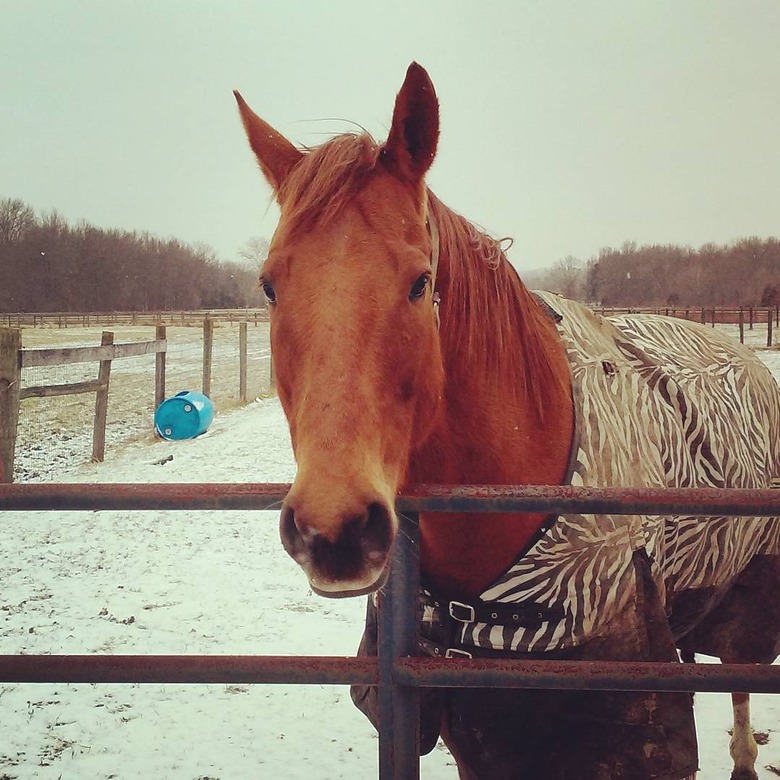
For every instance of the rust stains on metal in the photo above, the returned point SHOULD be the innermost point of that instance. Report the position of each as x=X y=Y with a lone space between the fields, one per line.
x=222 y=669
x=586 y=675
x=433 y=498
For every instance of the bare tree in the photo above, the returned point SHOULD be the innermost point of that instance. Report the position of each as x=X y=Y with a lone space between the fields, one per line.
x=16 y=218
x=254 y=251
x=568 y=278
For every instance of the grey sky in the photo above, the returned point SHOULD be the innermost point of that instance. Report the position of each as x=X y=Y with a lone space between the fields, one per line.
x=567 y=125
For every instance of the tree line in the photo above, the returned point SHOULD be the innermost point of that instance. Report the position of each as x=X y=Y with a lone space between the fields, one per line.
x=744 y=273
x=48 y=265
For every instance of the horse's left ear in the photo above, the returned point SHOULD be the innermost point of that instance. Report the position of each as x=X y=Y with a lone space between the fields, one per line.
x=414 y=133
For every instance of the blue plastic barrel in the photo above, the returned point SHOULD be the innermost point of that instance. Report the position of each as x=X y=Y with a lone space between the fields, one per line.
x=186 y=415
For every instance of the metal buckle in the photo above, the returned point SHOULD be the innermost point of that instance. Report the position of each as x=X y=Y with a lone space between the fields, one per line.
x=463 y=613
x=453 y=652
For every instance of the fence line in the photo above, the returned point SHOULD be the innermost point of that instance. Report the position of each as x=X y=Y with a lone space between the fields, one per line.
x=706 y=315
x=48 y=357
x=193 y=317
x=13 y=358
x=397 y=674
x=703 y=314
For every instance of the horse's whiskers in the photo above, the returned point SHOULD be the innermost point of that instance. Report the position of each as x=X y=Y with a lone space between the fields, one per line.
x=273 y=507
x=408 y=536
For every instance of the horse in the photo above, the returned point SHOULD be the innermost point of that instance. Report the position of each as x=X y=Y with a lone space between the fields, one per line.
x=406 y=351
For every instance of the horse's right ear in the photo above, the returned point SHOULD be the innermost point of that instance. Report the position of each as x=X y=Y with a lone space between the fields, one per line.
x=414 y=133
x=276 y=155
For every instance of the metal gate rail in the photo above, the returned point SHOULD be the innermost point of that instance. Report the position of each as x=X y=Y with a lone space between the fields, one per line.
x=398 y=674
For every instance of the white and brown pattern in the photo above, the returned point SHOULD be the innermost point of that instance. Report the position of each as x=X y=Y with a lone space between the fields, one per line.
x=659 y=402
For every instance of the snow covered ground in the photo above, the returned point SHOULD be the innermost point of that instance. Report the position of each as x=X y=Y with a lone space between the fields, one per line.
x=204 y=582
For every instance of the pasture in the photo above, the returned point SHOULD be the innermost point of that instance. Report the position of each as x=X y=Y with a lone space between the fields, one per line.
x=54 y=433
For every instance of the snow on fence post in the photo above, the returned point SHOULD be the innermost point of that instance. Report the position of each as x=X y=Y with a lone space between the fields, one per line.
x=10 y=376
x=208 y=343
x=101 y=403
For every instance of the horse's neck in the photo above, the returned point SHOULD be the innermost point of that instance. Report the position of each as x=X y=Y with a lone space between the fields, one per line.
x=491 y=432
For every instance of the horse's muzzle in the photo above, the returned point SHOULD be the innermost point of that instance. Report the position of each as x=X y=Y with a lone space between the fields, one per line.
x=347 y=557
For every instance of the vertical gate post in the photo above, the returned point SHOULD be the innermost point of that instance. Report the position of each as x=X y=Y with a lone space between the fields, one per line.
x=160 y=333
x=242 y=358
x=208 y=342
x=399 y=708
x=10 y=379
x=101 y=403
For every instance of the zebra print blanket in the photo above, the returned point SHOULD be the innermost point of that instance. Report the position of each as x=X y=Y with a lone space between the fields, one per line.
x=659 y=402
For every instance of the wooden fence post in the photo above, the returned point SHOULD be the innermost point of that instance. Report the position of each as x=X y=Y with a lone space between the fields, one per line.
x=160 y=333
x=10 y=379
x=769 y=321
x=101 y=403
x=242 y=359
x=208 y=343
x=741 y=326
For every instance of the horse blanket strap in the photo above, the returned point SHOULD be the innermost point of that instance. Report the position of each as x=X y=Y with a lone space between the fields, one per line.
x=444 y=623
x=658 y=402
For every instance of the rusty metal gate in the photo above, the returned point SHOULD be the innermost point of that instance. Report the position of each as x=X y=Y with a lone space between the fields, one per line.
x=396 y=671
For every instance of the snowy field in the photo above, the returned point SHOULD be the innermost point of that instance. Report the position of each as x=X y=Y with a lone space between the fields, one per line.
x=204 y=582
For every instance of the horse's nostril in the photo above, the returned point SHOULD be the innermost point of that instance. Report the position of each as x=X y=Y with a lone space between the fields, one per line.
x=293 y=534
x=378 y=530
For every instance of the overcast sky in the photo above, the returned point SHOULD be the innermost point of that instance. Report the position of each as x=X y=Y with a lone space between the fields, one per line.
x=569 y=126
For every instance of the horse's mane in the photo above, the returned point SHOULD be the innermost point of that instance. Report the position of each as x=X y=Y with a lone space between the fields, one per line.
x=491 y=321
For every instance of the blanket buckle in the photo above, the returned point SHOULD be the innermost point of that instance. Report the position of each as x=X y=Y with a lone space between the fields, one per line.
x=453 y=652
x=463 y=613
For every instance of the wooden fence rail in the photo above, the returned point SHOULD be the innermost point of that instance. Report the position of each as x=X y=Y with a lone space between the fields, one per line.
x=185 y=317
x=13 y=358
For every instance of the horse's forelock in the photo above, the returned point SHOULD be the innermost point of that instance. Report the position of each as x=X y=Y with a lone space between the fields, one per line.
x=327 y=178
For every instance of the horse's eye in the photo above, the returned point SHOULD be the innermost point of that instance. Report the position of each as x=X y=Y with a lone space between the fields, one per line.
x=418 y=288
x=269 y=292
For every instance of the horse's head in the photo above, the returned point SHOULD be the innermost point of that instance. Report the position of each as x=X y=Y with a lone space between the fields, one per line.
x=353 y=332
